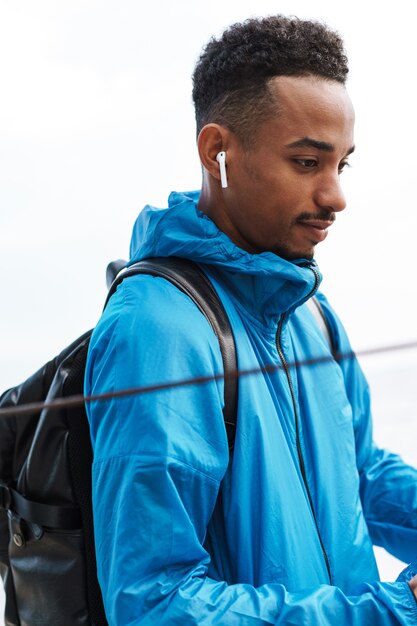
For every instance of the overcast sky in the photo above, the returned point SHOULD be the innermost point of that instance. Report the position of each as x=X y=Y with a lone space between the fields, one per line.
x=96 y=121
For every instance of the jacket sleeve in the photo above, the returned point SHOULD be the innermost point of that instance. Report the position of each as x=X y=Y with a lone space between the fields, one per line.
x=388 y=485
x=159 y=461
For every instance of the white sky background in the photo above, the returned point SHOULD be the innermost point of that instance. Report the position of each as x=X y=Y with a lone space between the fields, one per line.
x=96 y=121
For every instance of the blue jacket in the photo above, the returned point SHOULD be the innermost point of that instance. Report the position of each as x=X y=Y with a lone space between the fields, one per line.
x=306 y=494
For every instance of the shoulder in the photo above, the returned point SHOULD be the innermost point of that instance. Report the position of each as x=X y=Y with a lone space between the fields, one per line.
x=151 y=333
x=151 y=309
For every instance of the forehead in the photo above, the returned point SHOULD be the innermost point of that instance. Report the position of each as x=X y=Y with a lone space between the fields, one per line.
x=309 y=106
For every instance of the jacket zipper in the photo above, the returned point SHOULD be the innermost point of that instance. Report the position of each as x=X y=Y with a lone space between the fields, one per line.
x=297 y=421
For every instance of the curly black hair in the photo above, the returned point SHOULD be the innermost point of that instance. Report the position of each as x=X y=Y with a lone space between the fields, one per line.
x=231 y=77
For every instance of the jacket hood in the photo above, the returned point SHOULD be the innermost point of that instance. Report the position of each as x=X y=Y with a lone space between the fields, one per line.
x=264 y=283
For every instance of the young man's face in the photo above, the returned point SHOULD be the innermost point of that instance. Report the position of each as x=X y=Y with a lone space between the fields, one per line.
x=284 y=191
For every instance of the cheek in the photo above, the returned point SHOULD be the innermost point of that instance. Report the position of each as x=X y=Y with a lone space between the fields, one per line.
x=269 y=198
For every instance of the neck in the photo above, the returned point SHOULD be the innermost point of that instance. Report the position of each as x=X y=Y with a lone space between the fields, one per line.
x=209 y=202
x=212 y=203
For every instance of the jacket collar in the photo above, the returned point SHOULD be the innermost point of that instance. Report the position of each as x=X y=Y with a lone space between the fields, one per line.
x=265 y=284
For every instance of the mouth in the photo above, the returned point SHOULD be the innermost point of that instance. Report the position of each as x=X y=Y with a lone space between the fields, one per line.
x=316 y=229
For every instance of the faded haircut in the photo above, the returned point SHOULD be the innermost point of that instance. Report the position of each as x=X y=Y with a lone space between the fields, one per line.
x=231 y=78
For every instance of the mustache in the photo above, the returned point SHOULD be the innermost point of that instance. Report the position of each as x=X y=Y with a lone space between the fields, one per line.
x=321 y=216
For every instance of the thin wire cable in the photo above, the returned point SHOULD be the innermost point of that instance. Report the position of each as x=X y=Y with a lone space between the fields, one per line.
x=79 y=400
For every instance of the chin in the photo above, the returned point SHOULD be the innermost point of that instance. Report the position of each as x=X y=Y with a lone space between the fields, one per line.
x=295 y=255
x=308 y=255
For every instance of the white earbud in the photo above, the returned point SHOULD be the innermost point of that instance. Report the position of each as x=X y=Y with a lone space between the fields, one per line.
x=221 y=160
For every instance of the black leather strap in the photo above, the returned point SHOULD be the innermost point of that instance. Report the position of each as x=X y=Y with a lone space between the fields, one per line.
x=189 y=278
x=48 y=515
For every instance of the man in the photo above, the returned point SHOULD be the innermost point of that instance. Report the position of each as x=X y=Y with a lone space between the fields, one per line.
x=282 y=531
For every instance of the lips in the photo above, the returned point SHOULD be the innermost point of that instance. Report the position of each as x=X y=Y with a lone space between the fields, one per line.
x=316 y=228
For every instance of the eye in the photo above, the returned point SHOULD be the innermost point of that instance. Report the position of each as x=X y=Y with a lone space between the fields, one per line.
x=306 y=163
x=343 y=165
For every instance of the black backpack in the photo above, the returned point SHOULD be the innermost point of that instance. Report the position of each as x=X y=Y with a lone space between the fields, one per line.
x=47 y=557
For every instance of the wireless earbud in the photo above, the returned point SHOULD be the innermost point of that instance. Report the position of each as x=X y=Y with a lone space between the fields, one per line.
x=221 y=160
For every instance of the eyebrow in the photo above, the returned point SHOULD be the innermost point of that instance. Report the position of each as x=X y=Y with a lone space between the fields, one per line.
x=308 y=142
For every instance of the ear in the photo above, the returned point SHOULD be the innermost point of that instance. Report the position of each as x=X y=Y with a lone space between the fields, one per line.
x=213 y=138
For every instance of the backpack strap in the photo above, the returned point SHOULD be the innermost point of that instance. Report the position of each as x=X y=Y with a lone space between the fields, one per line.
x=64 y=517
x=191 y=280
x=323 y=323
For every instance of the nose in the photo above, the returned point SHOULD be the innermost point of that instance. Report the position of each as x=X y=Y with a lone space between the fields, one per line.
x=329 y=194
